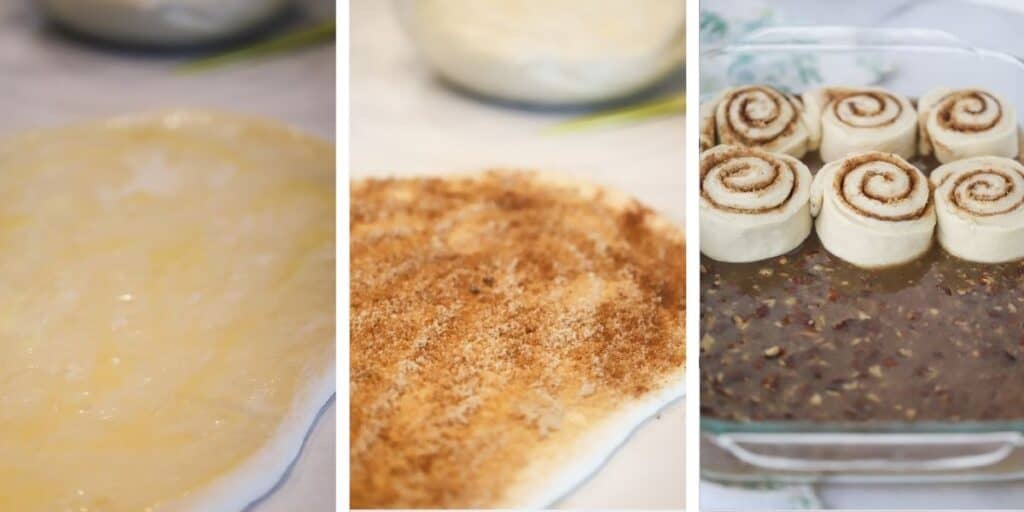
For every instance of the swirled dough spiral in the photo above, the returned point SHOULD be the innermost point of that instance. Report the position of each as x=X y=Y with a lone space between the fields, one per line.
x=873 y=209
x=863 y=119
x=980 y=206
x=958 y=124
x=753 y=204
x=763 y=117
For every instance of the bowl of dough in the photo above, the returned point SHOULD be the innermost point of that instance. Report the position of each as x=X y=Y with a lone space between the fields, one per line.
x=549 y=52
x=161 y=22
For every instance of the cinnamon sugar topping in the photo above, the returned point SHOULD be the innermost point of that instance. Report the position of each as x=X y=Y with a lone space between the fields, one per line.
x=883 y=166
x=865 y=108
x=969 y=111
x=495 y=320
x=758 y=115
x=737 y=162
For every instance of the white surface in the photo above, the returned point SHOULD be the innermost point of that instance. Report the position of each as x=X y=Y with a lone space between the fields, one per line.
x=309 y=484
x=978 y=23
x=645 y=473
x=48 y=79
x=791 y=497
x=597 y=448
x=920 y=496
x=404 y=121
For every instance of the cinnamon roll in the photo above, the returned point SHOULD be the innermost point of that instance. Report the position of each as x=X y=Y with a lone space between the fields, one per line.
x=753 y=204
x=864 y=119
x=980 y=206
x=957 y=124
x=873 y=209
x=763 y=117
x=708 y=134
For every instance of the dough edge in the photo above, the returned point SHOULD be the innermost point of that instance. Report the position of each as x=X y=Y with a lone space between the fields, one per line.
x=543 y=485
x=261 y=472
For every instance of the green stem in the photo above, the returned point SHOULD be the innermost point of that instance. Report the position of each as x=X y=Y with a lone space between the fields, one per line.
x=303 y=37
x=671 y=105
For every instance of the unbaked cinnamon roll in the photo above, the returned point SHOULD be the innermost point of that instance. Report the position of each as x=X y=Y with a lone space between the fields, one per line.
x=763 y=117
x=753 y=204
x=873 y=209
x=863 y=119
x=980 y=206
x=708 y=133
x=957 y=124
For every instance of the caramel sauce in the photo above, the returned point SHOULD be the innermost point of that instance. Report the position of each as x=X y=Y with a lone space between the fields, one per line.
x=807 y=336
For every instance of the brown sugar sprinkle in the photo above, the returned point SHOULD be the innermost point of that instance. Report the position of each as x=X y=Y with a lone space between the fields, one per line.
x=870 y=159
x=780 y=120
x=976 y=185
x=726 y=163
x=975 y=105
x=847 y=111
x=495 y=318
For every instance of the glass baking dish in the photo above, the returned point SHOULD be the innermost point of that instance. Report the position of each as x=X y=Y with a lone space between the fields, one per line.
x=908 y=61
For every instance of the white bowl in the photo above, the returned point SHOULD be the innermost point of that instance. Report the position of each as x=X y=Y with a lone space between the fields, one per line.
x=549 y=51
x=161 y=22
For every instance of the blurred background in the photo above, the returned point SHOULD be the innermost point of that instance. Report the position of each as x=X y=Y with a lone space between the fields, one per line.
x=988 y=24
x=68 y=60
x=69 y=66
x=592 y=89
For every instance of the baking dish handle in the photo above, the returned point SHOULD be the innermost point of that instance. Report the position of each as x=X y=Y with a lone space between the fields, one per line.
x=837 y=36
x=823 y=452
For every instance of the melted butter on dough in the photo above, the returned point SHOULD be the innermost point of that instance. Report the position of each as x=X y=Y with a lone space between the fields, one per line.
x=166 y=305
x=502 y=326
